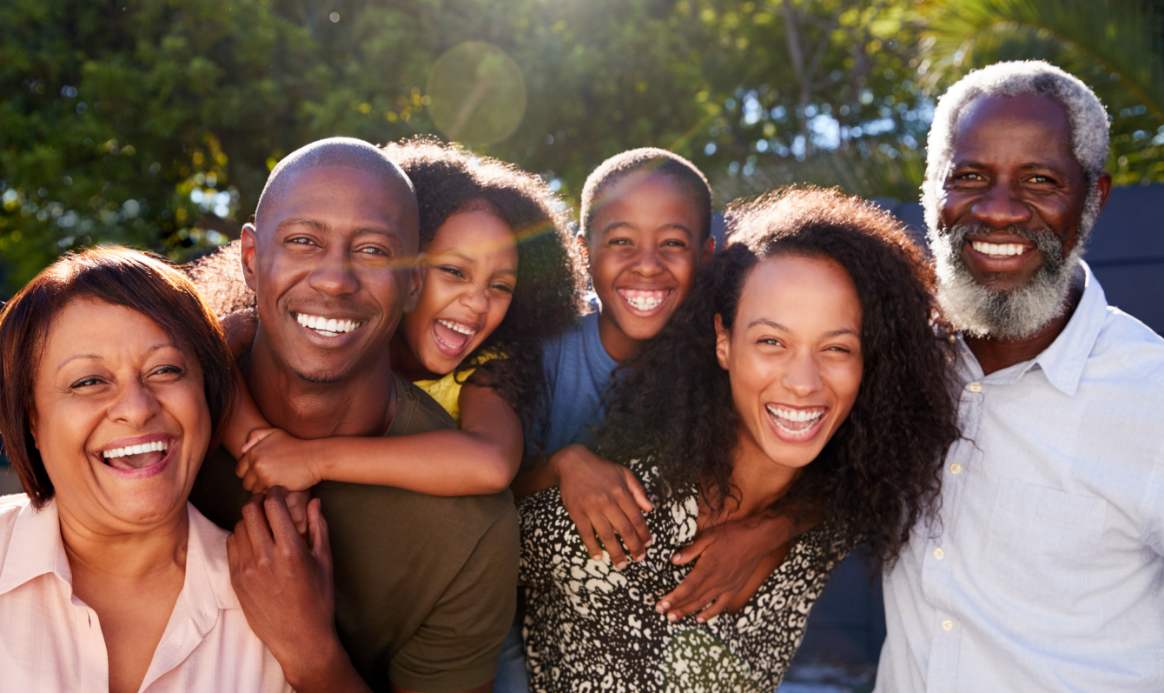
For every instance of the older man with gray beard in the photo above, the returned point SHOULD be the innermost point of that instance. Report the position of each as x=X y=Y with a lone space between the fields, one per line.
x=1045 y=568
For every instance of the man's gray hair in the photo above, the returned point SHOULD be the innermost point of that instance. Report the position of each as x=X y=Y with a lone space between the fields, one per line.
x=1085 y=114
x=345 y=152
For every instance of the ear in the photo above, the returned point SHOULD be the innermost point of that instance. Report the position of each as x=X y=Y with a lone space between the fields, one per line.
x=723 y=343
x=1103 y=185
x=708 y=250
x=249 y=239
x=415 y=284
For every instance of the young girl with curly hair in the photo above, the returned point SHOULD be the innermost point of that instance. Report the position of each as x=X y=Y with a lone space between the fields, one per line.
x=802 y=375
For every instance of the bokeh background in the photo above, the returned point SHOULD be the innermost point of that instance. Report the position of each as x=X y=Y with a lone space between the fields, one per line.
x=154 y=123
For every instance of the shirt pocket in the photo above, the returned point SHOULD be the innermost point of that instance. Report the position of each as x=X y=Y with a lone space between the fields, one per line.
x=1043 y=537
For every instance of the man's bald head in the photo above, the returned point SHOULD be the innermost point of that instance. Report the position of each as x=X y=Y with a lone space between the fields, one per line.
x=336 y=152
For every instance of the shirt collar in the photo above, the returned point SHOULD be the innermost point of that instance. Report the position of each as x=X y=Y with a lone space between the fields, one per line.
x=35 y=548
x=1064 y=360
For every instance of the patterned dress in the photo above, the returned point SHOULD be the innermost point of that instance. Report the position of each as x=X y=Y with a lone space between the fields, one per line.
x=591 y=627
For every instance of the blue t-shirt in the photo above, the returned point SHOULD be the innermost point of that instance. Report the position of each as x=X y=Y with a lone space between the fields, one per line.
x=577 y=370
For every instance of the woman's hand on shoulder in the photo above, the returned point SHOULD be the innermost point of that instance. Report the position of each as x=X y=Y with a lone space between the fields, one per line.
x=273 y=457
x=605 y=501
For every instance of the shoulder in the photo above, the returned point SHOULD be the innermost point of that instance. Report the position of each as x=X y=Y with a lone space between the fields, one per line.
x=10 y=507
x=416 y=411
x=1133 y=344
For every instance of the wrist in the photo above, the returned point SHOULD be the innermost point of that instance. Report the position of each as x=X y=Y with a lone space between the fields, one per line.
x=326 y=668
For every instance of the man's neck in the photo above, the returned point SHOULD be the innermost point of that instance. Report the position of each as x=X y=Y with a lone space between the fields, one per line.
x=359 y=405
x=997 y=354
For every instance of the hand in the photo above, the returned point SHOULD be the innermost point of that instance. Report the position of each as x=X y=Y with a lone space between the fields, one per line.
x=729 y=554
x=286 y=591
x=297 y=504
x=273 y=457
x=603 y=499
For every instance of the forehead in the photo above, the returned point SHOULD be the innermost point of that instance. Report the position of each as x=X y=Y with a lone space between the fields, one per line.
x=997 y=127
x=475 y=234
x=345 y=198
x=89 y=326
x=793 y=289
x=645 y=193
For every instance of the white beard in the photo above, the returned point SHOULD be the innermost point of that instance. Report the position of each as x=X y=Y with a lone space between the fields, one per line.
x=1012 y=315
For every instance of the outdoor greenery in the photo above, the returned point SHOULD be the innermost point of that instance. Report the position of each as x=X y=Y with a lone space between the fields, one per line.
x=155 y=122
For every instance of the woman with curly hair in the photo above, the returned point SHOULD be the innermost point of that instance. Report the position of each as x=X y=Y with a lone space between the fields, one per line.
x=802 y=375
x=501 y=275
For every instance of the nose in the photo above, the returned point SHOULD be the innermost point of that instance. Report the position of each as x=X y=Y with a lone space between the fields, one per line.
x=802 y=378
x=1001 y=207
x=476 y=299
x=135 y=405
x=647 y=262
x=334 y=276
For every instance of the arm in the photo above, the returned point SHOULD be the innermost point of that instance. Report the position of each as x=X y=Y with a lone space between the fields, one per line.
x=604 y=500
x=479 y=459
x=286 y=592
x=729 y=554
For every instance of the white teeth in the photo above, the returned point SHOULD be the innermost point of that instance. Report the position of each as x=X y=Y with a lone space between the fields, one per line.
x=998 y=249
x=458 y=327
x=332 y=326
x=795 y=415
x=643 y=300
x=157 y=446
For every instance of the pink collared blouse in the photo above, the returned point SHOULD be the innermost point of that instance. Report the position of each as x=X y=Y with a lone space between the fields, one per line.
x=52 y=641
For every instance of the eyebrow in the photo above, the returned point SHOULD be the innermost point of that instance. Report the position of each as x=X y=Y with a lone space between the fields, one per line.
x=320 y=225
x=98 y=357
x=1026 y=166
x=618 y=224
x=777 y=326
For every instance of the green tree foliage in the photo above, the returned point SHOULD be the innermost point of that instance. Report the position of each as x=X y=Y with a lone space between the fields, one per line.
x=155 y=122
x=1115 y=46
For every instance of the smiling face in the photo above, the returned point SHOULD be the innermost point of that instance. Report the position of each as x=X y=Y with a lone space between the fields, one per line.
x=793 y=357
x=646 y=245
x=333 y=268
x=120 y=417
x=469 y=277
x=1012 y=221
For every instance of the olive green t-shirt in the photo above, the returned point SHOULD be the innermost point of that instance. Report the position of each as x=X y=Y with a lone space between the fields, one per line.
x=425 y=586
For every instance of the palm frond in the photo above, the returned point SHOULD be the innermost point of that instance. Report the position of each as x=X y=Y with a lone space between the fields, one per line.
x=1111 y=45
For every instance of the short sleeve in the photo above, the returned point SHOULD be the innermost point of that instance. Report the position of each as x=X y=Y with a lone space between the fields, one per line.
x=457 y=645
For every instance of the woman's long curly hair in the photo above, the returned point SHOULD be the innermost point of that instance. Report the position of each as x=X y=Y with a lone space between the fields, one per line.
x=880 y=473
x=550 y=271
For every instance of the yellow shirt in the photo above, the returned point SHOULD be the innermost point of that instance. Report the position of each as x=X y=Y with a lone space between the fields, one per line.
x=447 y=390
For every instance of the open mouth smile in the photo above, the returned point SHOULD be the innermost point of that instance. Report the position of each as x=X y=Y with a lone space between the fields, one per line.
x=796 y=424
x=999 y=249
x=644 y=302
x=327 y=327
x=453 y=336
x=138 y=461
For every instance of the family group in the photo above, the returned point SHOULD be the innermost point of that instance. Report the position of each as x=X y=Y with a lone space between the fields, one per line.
x=293 y=464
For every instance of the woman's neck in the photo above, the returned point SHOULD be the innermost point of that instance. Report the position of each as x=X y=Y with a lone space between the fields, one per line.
x=759 y=480
x=125 y=555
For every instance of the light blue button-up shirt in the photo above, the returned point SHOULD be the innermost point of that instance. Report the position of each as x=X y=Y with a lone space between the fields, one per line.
x=1047 y=572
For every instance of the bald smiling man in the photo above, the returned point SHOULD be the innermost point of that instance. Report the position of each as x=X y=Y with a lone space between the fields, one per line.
x=424 y=586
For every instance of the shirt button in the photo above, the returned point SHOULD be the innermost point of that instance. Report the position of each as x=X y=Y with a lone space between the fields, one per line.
x=955 y=468
x=939 y=554
x=974 y=387
x=947 y=625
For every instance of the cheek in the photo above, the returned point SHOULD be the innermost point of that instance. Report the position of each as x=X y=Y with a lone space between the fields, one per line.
x=845 y=382
x=498 y=307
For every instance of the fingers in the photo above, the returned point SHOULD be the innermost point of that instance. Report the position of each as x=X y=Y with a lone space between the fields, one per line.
x=628 y=523
x=715 y=609
x=638 y=493
x=317 y=530
x=693 y=550
x=282 y=526
x=605 y=532
x=255 y=437
x=255 y=529
x=586 y=531
x=692 y=596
